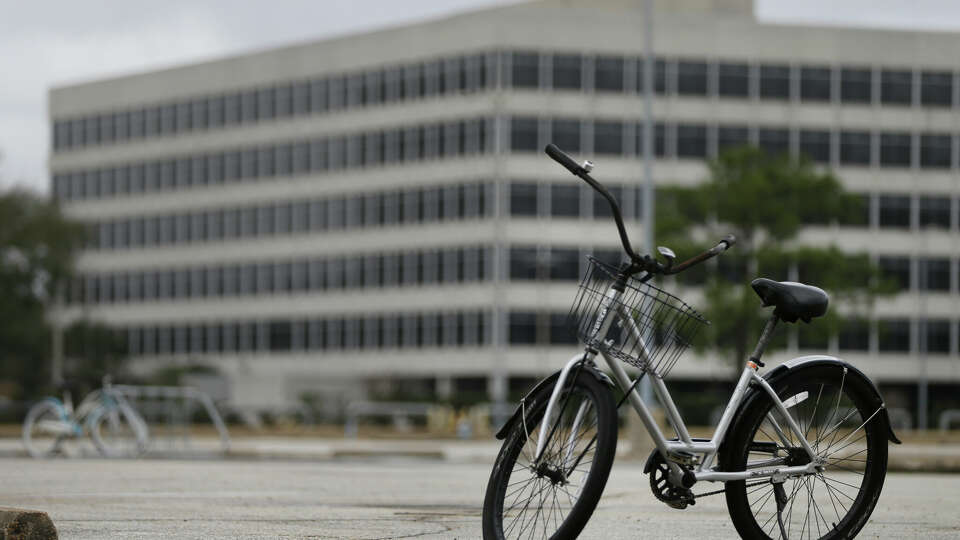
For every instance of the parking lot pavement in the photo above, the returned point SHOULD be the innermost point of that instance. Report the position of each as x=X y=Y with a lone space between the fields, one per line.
x=376 y=499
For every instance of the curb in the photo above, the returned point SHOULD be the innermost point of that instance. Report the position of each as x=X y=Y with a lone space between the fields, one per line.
x=19 y=524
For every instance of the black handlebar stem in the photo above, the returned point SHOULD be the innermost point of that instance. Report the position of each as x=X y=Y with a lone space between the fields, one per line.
x=638 y=263
x=562 y=158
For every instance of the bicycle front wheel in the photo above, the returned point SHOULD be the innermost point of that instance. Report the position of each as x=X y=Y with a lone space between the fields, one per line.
x=842 y=423
x=118 y=431
x=553 y=498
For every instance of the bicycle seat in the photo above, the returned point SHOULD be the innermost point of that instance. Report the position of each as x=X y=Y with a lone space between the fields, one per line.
x=792 y=300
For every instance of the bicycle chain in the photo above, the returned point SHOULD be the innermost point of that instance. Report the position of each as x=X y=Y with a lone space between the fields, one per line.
x=719 y=491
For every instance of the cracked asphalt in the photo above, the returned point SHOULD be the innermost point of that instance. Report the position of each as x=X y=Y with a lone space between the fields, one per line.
x=379 y=499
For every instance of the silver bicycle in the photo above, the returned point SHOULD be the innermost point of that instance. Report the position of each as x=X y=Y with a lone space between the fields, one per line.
x=801 y=450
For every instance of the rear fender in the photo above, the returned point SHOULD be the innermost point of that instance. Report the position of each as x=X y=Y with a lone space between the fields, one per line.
x=805 y=362
x=546 y=383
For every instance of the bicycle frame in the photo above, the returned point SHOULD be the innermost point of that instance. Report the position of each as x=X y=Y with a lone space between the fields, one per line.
x=707 y=450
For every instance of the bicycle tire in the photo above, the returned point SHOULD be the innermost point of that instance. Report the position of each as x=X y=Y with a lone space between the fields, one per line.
x=545 y=485
x=37 y=413
x=840 y=420
x=126 y=437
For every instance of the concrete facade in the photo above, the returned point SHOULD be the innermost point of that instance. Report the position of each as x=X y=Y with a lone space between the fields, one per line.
x=421 y=139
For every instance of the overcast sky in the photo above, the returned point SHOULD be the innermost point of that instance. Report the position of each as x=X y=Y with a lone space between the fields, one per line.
x=46 y=43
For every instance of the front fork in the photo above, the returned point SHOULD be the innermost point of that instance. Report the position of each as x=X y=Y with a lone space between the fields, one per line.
x=546 y=428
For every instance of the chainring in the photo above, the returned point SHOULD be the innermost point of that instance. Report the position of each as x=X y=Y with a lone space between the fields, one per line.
x=663 y=490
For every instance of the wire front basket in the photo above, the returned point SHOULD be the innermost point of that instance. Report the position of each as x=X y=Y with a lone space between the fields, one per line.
x=655 y=328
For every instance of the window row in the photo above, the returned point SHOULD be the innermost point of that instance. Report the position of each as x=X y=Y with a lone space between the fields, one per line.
x=280 y=100
x=399 y=269
x=354 y=211
x=935 y=336
x=699 y=141
x=529 y=199
x=375 y=331
x=733 y=79
x=905 y=211
x=886 y=210
x=521 y=69
x=540 y=263
x=289 y=158
x=923 y=274
x=892 y=335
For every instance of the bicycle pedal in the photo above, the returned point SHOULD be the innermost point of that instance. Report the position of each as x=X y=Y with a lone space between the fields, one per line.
x=680 y=499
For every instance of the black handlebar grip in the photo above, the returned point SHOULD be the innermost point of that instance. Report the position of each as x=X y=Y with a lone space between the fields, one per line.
x=560 y=157
x=729 y=240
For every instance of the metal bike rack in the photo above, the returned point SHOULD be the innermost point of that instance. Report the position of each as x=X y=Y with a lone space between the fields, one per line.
x=398 y=411
x=168 y=395
x=946 y=417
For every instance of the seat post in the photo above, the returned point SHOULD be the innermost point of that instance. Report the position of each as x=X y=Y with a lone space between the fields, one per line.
x=765 y=338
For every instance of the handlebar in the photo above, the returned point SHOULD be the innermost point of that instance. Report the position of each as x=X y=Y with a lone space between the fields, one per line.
x=723 y=245
x=645 y=263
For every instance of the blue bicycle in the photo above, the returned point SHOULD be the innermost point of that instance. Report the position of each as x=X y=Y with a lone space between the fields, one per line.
x=114 y=426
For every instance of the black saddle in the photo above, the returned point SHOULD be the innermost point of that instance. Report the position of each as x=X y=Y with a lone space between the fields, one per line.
x=793 y=300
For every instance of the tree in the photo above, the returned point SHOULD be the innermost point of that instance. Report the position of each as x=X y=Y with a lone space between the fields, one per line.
x=38 y=247
x=764 y=200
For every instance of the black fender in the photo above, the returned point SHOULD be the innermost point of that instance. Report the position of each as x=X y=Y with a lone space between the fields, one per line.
x=754 y=393
x=546 y=382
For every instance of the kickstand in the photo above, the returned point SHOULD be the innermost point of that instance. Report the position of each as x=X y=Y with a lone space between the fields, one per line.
x=781 y=496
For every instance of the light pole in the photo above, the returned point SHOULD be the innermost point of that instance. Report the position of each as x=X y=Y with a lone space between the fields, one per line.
x=647 y=140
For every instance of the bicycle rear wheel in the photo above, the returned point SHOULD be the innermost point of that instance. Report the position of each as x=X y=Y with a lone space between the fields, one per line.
x=555 y=497
x=44 y=429
x=841 y=421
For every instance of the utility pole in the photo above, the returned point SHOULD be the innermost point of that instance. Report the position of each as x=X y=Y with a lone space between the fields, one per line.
x=647 y=140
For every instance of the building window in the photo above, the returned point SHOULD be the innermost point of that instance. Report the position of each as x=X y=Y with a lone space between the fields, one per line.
x=896 y=269
x=566 y=134
x=659 y=76
x=774 y=141
x=733 y=80
x=732 y=136
x=526 y=264
x=523 y=134
x=815 y=145
x=691 y=141
x=935 y=151
x=815 y=84
x=567 y=72
x=525 y=70
x=608 y=138
x=775 y=82
x=608 y=74
x=896 y=87
x=337 y=91
x=564 y=200
x=935 y=212
x=565 y=264
x=854 y=335
x=601 y=206
x=895 y=149
x=934 y=274
x=894 y=335
x=936 y=88
x=856 y=85
x=855 y=148
x=692 y=78
x=523 y=328
x=894 y=211
x=938 y=336
x=523 y=199
x=659 y=140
